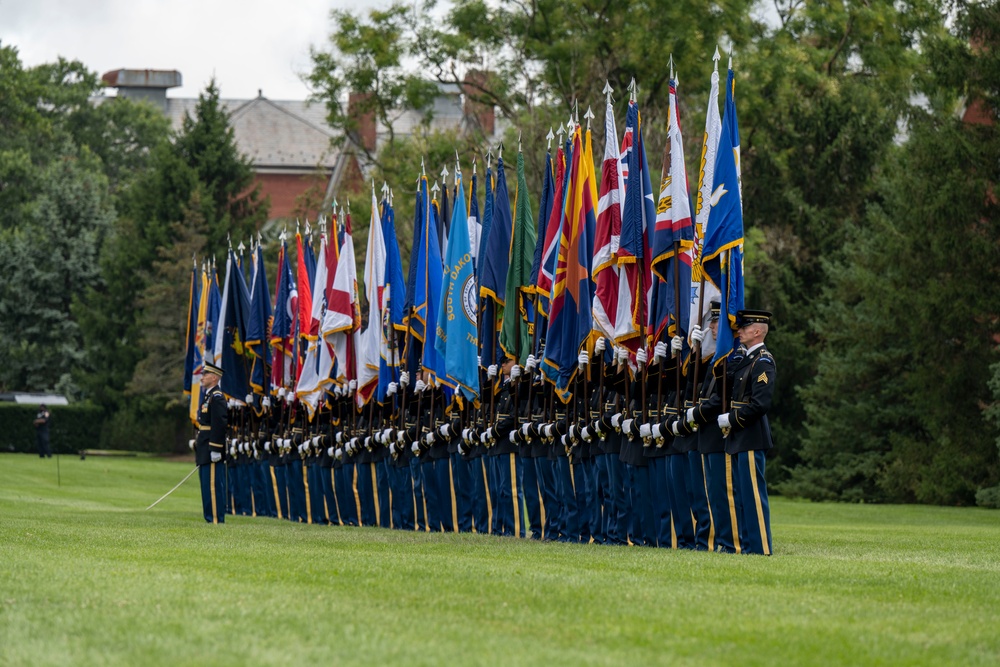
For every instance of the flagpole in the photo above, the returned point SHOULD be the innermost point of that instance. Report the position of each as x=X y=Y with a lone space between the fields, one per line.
x=725 y=360
x=701 y=305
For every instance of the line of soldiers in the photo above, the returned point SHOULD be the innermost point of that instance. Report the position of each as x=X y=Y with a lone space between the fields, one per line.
x=623 y=462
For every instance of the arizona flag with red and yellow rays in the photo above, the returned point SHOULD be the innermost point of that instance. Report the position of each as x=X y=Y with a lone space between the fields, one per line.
x=570 y=317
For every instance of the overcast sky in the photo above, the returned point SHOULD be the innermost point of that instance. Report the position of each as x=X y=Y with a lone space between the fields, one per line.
x=247 y=44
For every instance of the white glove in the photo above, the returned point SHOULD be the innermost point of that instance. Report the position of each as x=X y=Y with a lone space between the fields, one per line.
x=676 y=345
x=659 y=352
x=491 y=434
x=697 y=334
x=482 y=437
x=524 y=430
x=531 y=363
x=622 y=354
x=316 y=440
x=601 y=344
x=216 y=457
x=616 y=420
x=267 y=446
x=583 y=359
x=645 y=431
x=689 y=415
x=491 y=372
x=479 y=360
x=330 y=452
x=401 y=435
x=404 y=378
x=443 y=430
x=352 y=385
x=391 y=389
x=429 y=438
x=191 y=444
x=511 y=436
x=386 y=435
x=301 y=447
x=368 y=442
x=586 y=434
x=675 y=427
x=281 y=392
x=515 y=372
x=547 y=430
x=724 y=420
x=465 y=434
x=420 y=386
x=641 y=357
x=562 y=440
x=249 y=399
x=340 y=437
x=415 y=448
x=656 y=431
x=627 y=425
x=266 y=402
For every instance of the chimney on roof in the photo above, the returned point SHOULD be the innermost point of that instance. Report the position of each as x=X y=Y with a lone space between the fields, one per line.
x=359 y=111
x=478 y=112
x=143 y=84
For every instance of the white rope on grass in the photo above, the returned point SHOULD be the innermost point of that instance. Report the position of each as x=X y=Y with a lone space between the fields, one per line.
x=173 y=489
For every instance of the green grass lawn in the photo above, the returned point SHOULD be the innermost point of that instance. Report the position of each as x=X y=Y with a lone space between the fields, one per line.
x=88 y=577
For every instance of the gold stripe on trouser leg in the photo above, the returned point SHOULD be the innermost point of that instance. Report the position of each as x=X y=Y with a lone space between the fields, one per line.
x=211 y=483
x=752 y=463
x=673 y=532
x=732 y=502
x=357 y=498
x=711 y=519
x=541 y=505
x=427 y=523
x=253 y=504
x=489 y=501
x=333 y=485
x=454 y=500
x=572 y=478
x=513 y=495
x=305 y=485
x=416 y=517
x=378 y=511
x=274 y=483
x=390 y=508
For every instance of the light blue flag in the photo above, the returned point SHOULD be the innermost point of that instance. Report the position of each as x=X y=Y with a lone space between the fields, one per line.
x=457 y=341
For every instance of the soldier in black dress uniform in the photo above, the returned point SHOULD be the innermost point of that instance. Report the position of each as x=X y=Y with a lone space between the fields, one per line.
x=747 y=432
x=210 y=445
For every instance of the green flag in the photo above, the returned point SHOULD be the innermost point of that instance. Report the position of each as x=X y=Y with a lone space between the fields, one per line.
x=515 y=338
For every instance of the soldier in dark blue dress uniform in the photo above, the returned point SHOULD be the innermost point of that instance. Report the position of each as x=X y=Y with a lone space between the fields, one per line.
x=747 y=432
x=210 y=446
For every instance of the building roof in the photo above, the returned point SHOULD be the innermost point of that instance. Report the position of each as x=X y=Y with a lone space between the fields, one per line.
x=277 y=135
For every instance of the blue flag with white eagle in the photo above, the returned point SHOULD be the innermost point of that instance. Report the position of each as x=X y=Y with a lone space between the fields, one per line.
x=723 y=250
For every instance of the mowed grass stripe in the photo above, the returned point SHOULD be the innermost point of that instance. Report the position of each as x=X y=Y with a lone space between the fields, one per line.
x=88 y=577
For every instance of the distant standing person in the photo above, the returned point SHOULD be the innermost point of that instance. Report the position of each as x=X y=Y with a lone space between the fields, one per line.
x=42 y=432
x=210 y=445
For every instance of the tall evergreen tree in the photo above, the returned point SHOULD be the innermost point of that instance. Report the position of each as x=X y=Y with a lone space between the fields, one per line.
x=200 y=167
x=908 y=325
